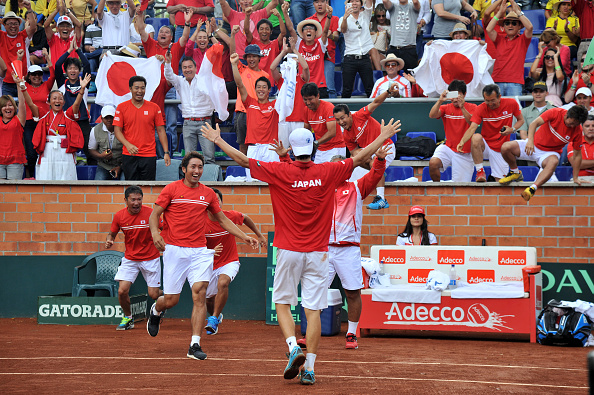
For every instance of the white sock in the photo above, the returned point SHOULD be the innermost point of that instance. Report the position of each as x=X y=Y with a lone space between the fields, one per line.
x=155 y=312
x=380 y=191
x=514 y=170
x=310 y=359
x=353 y=327
x=534 y=186
x=195 y=339
x=478 y=166
x=291 y=342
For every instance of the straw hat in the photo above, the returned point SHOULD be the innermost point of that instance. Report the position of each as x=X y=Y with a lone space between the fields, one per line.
x=557 y=4
x=392 y=58
x=512 y=16
x=12 y=15
x=460 y=27
x=306 y=22
x=130 y=50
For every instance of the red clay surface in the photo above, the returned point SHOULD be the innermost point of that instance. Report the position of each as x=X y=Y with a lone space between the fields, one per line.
x=249 y=357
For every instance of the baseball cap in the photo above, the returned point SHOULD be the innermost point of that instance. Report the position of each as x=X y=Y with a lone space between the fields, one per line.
x=301 y=141
x=34 y=69
x=107 y=111
x=65 y=19
x=540 y=85
x=584 y=91
x=416 y=210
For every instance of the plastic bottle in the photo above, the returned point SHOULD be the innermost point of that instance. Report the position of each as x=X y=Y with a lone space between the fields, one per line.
x=453 y=277
x=381 y=268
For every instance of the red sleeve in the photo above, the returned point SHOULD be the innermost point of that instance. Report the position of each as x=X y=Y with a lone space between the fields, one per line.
x=264 y=171
x=149 y=46
x=159 y=118
x=208 y=3
x=443 y=109
x=190 y=48
x=76 y=140
x=115 y=224
x=343 y=171
x=164 y=197
x=177 y=52
x=118 y=120
x=235 y=216
x=577 y=140
x=52 y=78
x=171 y=3
x=213 y=206
x=286 y=159
x=570 y=150
x=70 y=113
x=517 y=111
x=348 y=140
x=477 y=117
x=549 y=115
x=369 y=181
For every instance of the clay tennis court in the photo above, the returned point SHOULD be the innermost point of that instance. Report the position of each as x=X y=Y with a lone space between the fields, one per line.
x=249 y=356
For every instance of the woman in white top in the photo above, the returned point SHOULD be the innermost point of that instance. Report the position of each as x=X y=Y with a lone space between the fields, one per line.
x=552 y=73
x=135 y=36
x=415 y=231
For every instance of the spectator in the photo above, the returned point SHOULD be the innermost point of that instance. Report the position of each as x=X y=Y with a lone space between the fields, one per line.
x=584 y=10
x=508 y=70
x=59 y=42
x=38 y=41
x=357 y=39
x=446 y=15
x=19 y=7
x=422 y=20
x=82 y=9
x=551 y=39
x=550 y=10
x=105 y=148
x=393 y=65
x=566 y=26
x=200 y=9
x=587 y=166
x=583 y=97
x=134 y=129
x=319 y=118
x=487 y=16
x=135 y=36
x=380 y=30
x=115 y=23
x=273 y=18
x=538 y=106
x=456 y=120
x=198 y=44
x=44 y=7
x=581 y=78
x=416 y=232
x=268 y=48
x=11 y=41
x=300 y=9
x=196 y=107
x=312 y=42
x=403 y=35
x=150 y=9
x=333 y=36
x=39 y=91
x=552 y=73
x=236 y=18
x=481 y=6
x=93 y=43
x=57 y=138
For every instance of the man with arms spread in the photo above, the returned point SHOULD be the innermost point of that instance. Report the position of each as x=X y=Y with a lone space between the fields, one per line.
x=141 y=255
x=302 y=196
x=184 y=205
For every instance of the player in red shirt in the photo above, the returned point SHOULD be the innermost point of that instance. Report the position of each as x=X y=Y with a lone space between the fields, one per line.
x=587 y=167
x=496 y=115
x=359 y=130
x=547 y=135
x=184 y=205
x=141 y=254
x=302 y=195
x=456 y=119
x=319 y=118
x=226 y=264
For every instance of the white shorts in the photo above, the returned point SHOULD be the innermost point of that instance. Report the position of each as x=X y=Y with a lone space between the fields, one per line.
x=311 y=268
x=181 y=263
x=151 y=271
x=391 y=156
x=230 y=269
x=325 y=156
x=462 y=164
x=284 y=131
x=260 y=152
x=538 y=156
x=499 y=167
x=346 y=262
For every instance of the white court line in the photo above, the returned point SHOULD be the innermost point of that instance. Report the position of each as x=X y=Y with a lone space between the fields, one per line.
x=278 y=375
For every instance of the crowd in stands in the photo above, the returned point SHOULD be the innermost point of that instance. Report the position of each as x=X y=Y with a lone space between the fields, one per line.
x=370 y=49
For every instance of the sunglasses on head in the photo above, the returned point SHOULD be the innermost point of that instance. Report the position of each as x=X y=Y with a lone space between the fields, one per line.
x=549 y=57
x=513 y=23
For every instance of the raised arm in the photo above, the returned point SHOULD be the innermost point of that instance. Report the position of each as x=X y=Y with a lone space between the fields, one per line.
x=490 y=30
x=387 y=4
x=140 y=25
x=131 y=8
x=343 y=24
x=281 y=25
x=186 y=33
x=24 y=101
x=243 y=93
x=47 y=25
x=528 y=27
x=388 y=131
x=326 y=24
x=2 y=67
x=288 y=22
x=250 y=224
x=230 y=227
x=225 y=7
x=246 y=25
x=214 y=135
x=271 y=6
x=435 y=112
x=380 y=98
x=81 y=93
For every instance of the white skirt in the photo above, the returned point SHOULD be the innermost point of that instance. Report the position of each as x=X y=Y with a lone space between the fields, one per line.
x=56 y=164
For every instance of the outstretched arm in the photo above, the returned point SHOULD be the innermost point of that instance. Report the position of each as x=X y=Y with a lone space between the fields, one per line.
x=388 y=131
x=230 y=227
x=243 y=93
x=214 y=135
x=250 y=224
x=380 y=98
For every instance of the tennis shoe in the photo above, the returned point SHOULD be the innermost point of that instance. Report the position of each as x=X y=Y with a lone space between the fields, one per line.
x=481 y=176
x=307 y=377
x=528 y=193
x=378 y=203
x=302 y=343
x=212 y=325
x=351 y=341
x=125 y=324
x=296 y=359
x=511 y=176
x=195 y=352
x=153 y=323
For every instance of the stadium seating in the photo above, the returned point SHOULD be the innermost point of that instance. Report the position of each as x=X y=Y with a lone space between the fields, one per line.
x=231 y=139
x=532 y=50
x=157 y=23
x=94 y=113
x=399 y=173
x=212 y=173
x=538 y=20
x=412 y=135
x=106 y=263
x=487 y=172
x=564 y=173
x=168 y=173
x=529 y=172
x=85 y=172
x=446 y=175
x=235 y=171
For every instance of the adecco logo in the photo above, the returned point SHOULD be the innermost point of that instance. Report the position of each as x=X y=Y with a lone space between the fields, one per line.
x=511 y=258
x=480 y=276
x=393 y=256
x=418 y=276
x=450 y=257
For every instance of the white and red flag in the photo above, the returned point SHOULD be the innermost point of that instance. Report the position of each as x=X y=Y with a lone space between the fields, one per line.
x=211 y=81
x=115 y=72
x=444 y=61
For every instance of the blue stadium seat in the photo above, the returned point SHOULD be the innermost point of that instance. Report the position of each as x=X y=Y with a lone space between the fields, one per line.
x=446 y=175
x=337 y=57
x=399 y=173
x=86 y=172
x=538 y=20
x=487 y=172
x=235 y=171
x=564 y=173
x=338 y=82
x=231 y=139
x=532 y=50
x=180 y=119
x=526 y=71
x=157 y=23
x=529 y=172
x=377 y=74
x=358 y=87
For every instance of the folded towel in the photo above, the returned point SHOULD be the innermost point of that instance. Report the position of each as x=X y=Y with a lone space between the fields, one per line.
x=370 y=265
x=437 y=280
x=235 y=179
x=406 y=293
x=488 y=290
x=377 y=280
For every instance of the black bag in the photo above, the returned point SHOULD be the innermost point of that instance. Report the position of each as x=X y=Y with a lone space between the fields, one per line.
x=562 y=326
x=421 y=147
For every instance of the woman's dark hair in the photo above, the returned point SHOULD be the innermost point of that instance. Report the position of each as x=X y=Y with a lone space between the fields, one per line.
x=543 y=73
x=408 y=230
x=373 y=26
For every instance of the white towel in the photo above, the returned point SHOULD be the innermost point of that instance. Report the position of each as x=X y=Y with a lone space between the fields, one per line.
x=488 y=290
x=406 y=293
x=370 y=265
x=581 y=306
x=437 y=280
x=377 y=280
x=235 y=179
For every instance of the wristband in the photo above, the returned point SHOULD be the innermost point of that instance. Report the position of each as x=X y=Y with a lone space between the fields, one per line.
x=557 y=67
x=380 y=159
x=497 y=19
x=187 y=24
x=328 y=16
x=574 y=87
x=166 y=153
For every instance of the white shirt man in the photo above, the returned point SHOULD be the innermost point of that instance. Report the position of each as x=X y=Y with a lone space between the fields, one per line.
x=115 y=23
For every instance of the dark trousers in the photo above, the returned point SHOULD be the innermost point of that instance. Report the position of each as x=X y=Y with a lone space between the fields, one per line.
x=85 y=127
x=408 y=54
x=139 y=167
x=28 y=132
x=350 y=67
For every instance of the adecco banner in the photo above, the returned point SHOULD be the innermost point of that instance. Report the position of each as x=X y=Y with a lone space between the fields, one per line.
x=67 y=310
x=567 y=281
x=476 y=264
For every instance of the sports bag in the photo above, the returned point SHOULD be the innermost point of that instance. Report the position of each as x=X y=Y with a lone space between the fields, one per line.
x=562 y=326
x=421 y=147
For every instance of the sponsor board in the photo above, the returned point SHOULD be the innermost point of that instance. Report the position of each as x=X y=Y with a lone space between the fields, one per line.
x=480 y=276
x=511 y=258
x=450 y=257
x=418 y=276
x=397 y=257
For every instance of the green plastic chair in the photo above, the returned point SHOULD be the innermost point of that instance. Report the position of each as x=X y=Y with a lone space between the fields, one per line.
x=107 y=263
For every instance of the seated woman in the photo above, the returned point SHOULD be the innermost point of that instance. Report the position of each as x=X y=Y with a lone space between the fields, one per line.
x=552 y=73
x=551 y=39
x=415 y=232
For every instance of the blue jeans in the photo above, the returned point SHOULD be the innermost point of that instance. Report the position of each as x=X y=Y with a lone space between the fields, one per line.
x=180 y=30
x=103 y=175
x=9 y=89
x=170 y=125
x=510 y=88
x=329 y=74
x=300 y=10
x=93 y=58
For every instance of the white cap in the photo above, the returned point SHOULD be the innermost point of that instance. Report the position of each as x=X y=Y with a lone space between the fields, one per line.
x=584 y=91
x=301 y=141
x=65 y=19
x=107 y=111
x=34 y=69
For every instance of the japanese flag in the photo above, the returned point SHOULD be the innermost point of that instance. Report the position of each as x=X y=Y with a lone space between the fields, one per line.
x=115 y=72
x=211 y=81
x=444 y=61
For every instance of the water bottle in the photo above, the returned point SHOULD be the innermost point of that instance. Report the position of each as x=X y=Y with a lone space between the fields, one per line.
x=381 y=268
x=453 y=277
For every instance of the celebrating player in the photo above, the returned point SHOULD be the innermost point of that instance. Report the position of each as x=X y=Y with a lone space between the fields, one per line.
x=184 y=205
x=141 y=254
